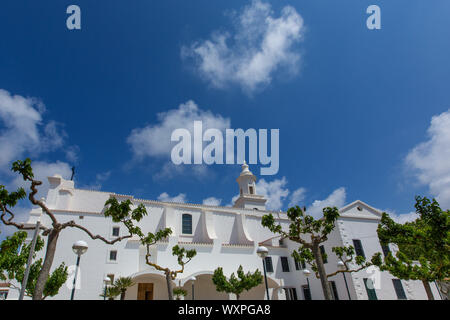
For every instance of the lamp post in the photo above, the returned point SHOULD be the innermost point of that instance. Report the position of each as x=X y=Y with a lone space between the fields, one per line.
x=341 y=266
x=107 y=281
x=307 y=273
x=193 y=279
x=30 y=260
x=79 y=248
x=262 y=253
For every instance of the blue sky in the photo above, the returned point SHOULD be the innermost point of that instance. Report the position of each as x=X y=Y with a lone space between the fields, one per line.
x=353 y=111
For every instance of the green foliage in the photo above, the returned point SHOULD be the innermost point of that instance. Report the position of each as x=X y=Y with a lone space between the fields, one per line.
x=423 y=244
x=179 y=292
x=13 y=259
x=237 y=284
x=182 y=253
x=11 y=199
x=123 y=212
x=24 y=168
x=123 y=283
x=302 y=225
x=111 y=292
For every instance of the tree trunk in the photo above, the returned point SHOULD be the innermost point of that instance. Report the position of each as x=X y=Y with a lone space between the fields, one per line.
x=52 y=240
x=237 y=297
x=322 y=273
x=427 y=286
x=169 y=285
x=122 y=295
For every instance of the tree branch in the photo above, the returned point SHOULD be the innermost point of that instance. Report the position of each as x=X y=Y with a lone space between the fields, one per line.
x=90 y=234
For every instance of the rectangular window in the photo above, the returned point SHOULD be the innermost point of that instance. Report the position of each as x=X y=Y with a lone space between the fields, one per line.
x=358 y=248
x=291 y=293
x=269 y=265
x=334 y=291
x=303 y=265
x=370 y=289
x=284 y=264
x=187 y=223
x=297 y=265
x=399 y=289
x=322 y=251
x=115 y=231
x=385 y=249
x=306 y=292
x=113 y=255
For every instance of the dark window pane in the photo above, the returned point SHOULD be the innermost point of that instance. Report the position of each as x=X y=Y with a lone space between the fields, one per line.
x=116 y=231
x=322 y=251
x=187 y=224
x=269 y=265
x=306 y=292
x=294 y=294
x=303 y=265
x=113 y=255
x=285 y=264
x=358 y=248
x=297 y=265
x=385 y=249
x=399 y=289
x=334 y=290
x=370 y=289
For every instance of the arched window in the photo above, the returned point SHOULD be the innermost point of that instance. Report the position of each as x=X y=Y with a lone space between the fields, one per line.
x=187 y=223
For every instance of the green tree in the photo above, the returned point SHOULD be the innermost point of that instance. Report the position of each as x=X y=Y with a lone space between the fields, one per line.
x=13 y=260
x=303 y=225
x=423 y=245
x=121 y=211
x=111 y=292
x=237 y=284
x=10 y=199
x=179 y=292
x=123 y=283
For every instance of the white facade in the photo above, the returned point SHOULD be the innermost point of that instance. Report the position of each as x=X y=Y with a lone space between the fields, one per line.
x=222 y=236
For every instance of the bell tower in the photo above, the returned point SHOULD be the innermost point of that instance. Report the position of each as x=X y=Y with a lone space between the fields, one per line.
x=248 y=198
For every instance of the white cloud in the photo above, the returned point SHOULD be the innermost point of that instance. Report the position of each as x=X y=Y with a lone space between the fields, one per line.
x=335 y=199
x=261 y=44
x=170 y=170
x=24 y=130
x=296 y=197
x=274 y=191
x=154 y=140
x=402 y=217
x=181 y=198
x=212 y=201
x=430 y=160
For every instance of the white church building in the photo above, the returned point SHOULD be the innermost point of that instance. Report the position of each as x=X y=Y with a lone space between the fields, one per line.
x=223 y=237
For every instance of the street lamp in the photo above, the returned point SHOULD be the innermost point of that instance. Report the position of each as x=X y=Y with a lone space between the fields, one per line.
x=307 y=273
x=341 y=266
x=262 y=253
x=193 y=279
x=107 y=281
x=79 y=248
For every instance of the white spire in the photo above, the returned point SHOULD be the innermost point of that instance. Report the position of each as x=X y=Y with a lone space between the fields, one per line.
x=247 y=190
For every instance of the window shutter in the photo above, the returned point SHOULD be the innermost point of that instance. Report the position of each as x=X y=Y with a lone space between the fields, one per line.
x=285 y=264
x=399 y=289
x=358 y=248
x=269 y=265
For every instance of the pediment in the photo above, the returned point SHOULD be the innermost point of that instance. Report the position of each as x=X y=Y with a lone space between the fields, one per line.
x=359 y=209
